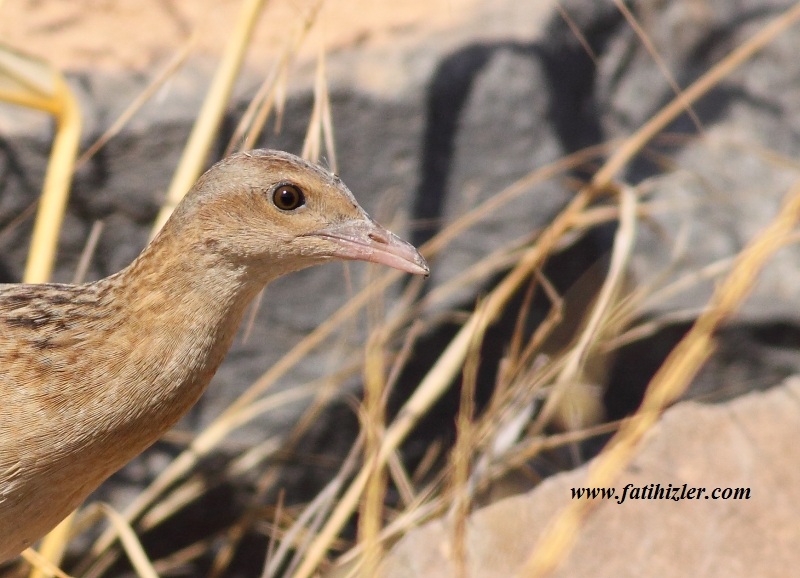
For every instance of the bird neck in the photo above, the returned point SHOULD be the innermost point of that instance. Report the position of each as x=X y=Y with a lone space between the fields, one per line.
x=183 y=307
x=148 y=341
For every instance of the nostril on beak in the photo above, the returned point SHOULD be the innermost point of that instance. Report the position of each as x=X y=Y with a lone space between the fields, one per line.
x=378 y=238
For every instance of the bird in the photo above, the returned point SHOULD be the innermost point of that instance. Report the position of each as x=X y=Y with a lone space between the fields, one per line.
x=92 y=374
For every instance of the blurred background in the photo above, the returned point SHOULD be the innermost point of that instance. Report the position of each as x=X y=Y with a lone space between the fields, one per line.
x=570 y=249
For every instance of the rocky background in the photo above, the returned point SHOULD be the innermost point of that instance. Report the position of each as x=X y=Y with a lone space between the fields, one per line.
x=437 y=106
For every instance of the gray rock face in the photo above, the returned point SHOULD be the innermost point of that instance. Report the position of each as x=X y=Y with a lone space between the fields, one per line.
x=381 y=149
x=725 y=179
x=441 y=119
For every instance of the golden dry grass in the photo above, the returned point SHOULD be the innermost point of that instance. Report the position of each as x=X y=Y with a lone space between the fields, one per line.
x=503 y=437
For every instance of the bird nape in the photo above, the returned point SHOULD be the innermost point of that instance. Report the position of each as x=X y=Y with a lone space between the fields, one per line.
x=93 y=374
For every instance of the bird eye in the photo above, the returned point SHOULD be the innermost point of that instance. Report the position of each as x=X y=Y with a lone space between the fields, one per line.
x=288 y=197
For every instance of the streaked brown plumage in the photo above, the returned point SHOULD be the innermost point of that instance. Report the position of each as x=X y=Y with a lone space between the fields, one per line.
x=91 y=375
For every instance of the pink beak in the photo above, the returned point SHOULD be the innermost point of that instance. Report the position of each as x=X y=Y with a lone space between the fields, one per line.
x=366 y=240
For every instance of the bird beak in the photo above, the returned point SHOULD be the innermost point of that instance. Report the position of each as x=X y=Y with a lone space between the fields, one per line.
x=366 y=240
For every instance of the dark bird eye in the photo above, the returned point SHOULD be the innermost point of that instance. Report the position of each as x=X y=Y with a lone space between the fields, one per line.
x=288 y=197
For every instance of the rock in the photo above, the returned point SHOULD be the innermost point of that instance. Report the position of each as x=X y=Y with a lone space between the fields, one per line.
x=748 y=443
x=436 y=109
x=724 y=181
x=378 y=129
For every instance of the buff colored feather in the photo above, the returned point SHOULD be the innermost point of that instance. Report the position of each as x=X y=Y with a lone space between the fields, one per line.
x=91 y=375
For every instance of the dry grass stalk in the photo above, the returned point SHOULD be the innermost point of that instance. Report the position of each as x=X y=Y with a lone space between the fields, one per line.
x=670 y=381
x=320 y=126
x=272 y=92
x=314 y=515
x=209 y=438
x=673 y=377
x=461 y=458
x=662 y=66
x=169 y=70
x=525 y=372
x=373 y=425
x=41 y=564
x=195 y=154
x=694 y=92
x=577 y=356
x=443 y=372
x=141 y=563
x=88 y=252
x=34 y=84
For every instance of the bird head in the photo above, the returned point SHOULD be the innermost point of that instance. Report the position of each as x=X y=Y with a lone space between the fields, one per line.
x=271 y=211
